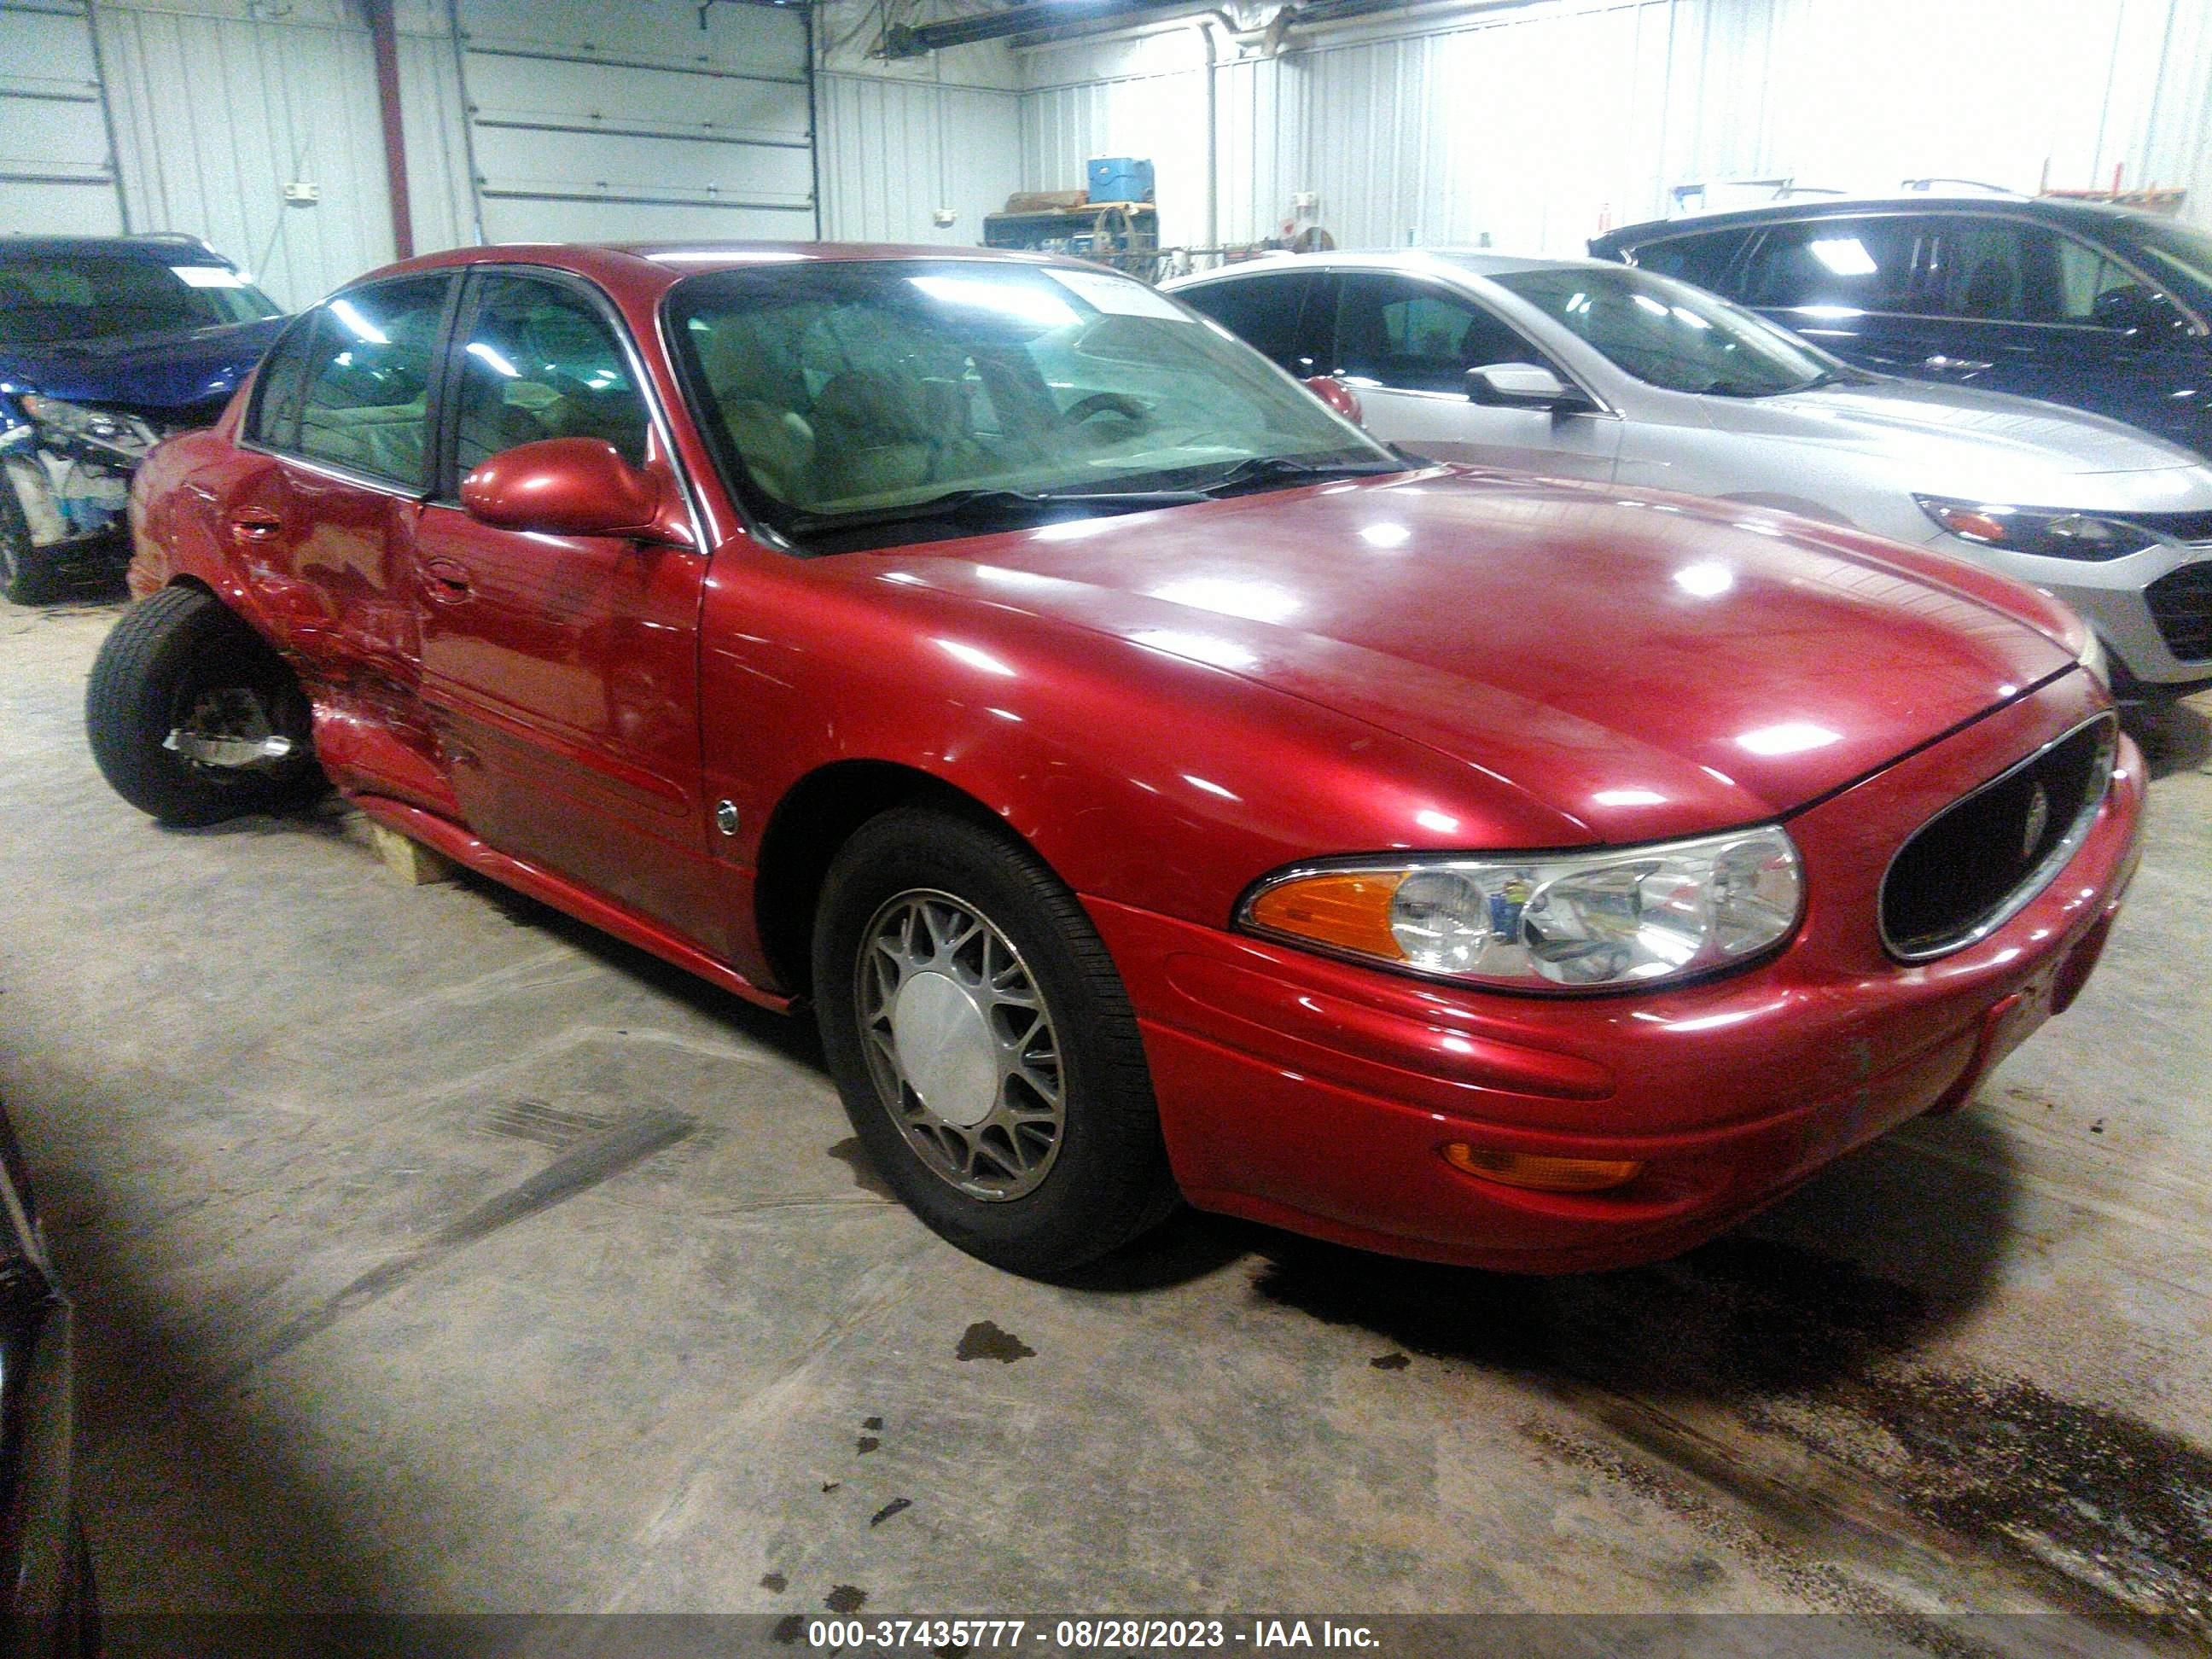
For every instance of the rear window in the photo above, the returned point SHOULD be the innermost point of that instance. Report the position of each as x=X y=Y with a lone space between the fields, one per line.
x=47 y=299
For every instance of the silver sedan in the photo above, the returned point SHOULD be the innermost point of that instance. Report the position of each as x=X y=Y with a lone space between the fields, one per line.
x=1604 y=372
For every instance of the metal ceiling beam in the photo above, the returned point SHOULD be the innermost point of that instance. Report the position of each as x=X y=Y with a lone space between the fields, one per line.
x=901 y=41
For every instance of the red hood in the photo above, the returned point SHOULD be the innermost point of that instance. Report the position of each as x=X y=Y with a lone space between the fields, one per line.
x=1643 y=668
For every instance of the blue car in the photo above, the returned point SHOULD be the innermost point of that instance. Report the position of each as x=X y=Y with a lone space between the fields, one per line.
x=107 y=345
x=2097 y=308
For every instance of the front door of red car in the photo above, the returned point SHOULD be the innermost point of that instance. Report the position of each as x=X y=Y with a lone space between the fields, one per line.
x=562 y=671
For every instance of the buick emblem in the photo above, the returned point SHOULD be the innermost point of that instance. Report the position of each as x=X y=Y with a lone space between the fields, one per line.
x=2038 y=820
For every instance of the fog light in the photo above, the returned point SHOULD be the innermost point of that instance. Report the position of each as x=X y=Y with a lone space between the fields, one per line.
x=1546 y=1173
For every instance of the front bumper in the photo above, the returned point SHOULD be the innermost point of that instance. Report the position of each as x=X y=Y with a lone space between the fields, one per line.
x=1318 y=1096
x=2109 y=595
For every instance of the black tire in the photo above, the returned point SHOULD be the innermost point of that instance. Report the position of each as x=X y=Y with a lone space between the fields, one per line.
x=1107 y=1181
x=25 y=577
x=166 y=651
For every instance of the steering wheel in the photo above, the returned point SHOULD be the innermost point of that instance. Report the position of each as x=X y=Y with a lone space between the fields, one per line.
x=1105 y=403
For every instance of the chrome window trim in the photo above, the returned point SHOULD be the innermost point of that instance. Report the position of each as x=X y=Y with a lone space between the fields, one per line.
x=334 y=472
x=2033 y=884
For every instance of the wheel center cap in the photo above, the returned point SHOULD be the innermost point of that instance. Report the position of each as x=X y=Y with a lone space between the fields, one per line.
x=945 y=1047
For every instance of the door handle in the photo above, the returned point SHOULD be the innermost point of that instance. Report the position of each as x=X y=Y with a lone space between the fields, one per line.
x=448 y=581
x=1942 y=364
x=250 y=526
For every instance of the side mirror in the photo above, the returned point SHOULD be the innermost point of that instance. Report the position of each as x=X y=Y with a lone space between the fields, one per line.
x=2141 y=312
x=1523 y=385
x=1338 y=396
x=564 y=487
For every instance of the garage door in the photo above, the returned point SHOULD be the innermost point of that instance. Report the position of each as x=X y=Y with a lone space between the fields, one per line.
x=659 y=118
x=55 y=175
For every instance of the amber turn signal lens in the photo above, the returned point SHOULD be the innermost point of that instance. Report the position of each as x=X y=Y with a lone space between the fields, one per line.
x=1544 y=1174
x=1972 y=522
x=1348 y=909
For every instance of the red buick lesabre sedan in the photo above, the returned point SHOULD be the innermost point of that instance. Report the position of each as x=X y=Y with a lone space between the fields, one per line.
x=1155 y=787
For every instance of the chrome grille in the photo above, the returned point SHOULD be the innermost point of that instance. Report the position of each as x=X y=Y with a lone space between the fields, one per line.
x=1971 y=868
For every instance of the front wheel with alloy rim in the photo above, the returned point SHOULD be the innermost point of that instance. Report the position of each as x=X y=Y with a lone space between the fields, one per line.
x=193 y=718
x=984 y=1045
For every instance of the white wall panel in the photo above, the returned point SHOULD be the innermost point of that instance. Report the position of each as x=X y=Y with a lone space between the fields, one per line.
x=1146 y=98
x=55 y=175
x=1261 y=134
x=1534 y=125
x=213 y=115
x=893 y=150
x=440 y=195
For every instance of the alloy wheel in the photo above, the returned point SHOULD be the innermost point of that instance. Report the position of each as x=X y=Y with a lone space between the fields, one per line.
x=960 y=1045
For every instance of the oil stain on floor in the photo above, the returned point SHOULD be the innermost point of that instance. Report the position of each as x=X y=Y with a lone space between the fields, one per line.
x=1802 y=1350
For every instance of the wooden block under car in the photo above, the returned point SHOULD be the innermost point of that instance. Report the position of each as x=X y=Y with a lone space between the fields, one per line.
x=414 y=864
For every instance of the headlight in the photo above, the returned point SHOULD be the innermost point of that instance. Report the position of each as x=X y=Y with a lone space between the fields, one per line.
x=1592 y=920
x=125 y=434
x=2050 y=533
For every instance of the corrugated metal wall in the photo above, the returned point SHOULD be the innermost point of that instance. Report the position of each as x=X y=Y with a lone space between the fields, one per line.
x=55 y=171
x=214 y=114
x=1144 y=97
x=1535 y=124
x=1530 y=124
x=894 y=150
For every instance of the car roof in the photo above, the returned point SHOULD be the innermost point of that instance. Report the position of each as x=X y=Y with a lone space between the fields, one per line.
x=1467 y=261
x=163 y=247
x=649 y=268
x=2061 y=209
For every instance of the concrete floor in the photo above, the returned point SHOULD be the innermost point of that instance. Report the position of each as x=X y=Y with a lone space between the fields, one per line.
x=437 y=1254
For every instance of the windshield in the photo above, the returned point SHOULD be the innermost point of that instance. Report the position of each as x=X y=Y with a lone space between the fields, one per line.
x=862 y=388
x=1669 y=334
x=45 y=299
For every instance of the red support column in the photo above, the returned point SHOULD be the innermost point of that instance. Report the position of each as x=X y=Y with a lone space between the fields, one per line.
x=384 y=39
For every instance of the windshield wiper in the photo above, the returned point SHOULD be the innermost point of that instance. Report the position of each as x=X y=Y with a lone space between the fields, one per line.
x=992 y=505
x=1289 y=468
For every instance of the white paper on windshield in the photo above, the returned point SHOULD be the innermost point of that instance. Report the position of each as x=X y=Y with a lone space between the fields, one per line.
x=1118 y=296
x=208 y=276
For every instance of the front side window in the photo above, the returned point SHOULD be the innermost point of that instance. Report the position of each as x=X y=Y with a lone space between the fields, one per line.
x=543 y=361
x=1843 y=264
x=867 y=389
x=1669 y=334
x=1416 y=336
x=365 y=402
x=47 y=299
x=2005 y=270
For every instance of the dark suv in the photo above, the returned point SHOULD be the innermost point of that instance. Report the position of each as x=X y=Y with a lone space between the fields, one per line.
x=2092 y=307
x=107 y=345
